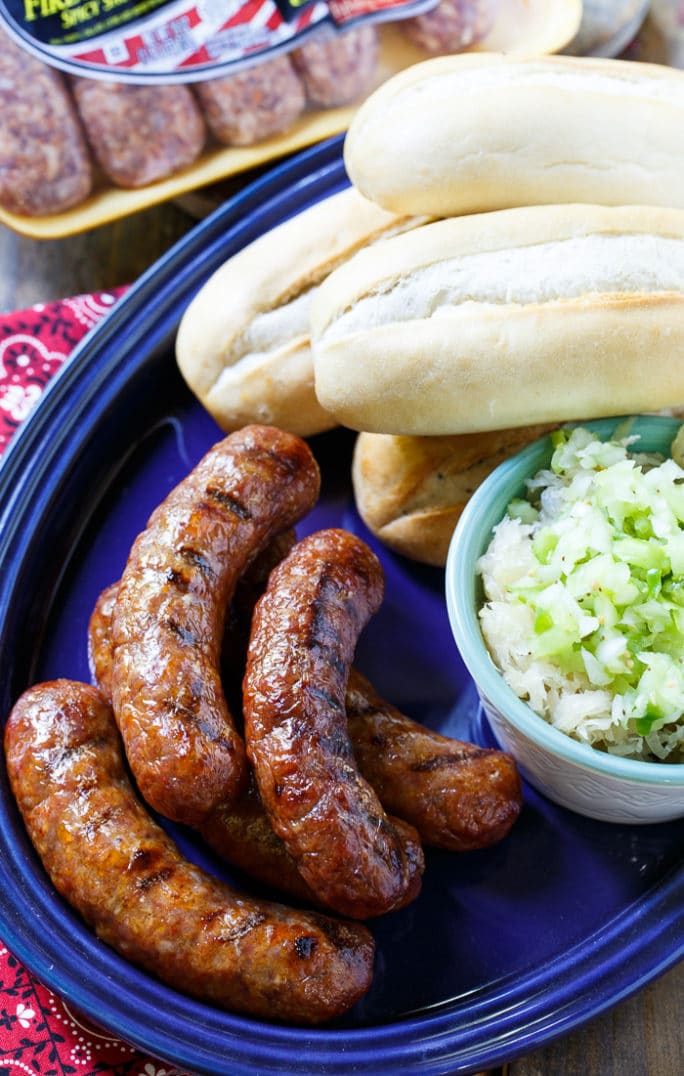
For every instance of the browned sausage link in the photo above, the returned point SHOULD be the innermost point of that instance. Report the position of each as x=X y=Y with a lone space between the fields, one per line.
x=457 y=795
x=44 y=161
x=128 y=880
x=304 y=632
x=241 y=833
x=167 y=628
x=248 y=590
x=140 y=134
x=236 y=630
x=100 y=640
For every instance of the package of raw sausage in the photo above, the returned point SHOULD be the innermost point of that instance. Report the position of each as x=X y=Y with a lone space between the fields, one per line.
x=157 y=41
x=108 y=107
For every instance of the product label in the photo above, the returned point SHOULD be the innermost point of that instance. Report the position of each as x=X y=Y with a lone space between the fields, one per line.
x=179 y=40
x=60 y=22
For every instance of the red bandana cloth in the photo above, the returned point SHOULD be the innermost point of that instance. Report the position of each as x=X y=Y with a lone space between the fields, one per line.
x=39 y=1034
x=33 y=345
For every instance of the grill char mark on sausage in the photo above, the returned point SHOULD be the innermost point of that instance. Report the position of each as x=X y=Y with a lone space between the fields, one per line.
x=183 y=745
x=129 y=881
x=458 y=795
x=304 y=631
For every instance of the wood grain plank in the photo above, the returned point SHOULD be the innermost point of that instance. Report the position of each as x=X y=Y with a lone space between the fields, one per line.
x=642 y=1036
x=41 y=270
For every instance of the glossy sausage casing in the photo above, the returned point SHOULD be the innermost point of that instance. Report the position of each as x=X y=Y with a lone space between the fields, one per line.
x=458 y=795
x=167 y=630
x=128 y=880
x=304 y=632
x=248 y=589
x=239 y=831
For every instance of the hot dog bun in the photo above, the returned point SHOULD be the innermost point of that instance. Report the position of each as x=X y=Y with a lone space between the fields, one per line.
x=536 y=314
x=243 y=342
x=483 y=131
x=410 y=491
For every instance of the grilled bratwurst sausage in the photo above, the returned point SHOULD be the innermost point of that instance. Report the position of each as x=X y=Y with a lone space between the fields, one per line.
x=304 y=632
x=239 y=831
x=167 y=628
x=457 y=795
x=100 y=640
x=248 y=589
x=128 y=880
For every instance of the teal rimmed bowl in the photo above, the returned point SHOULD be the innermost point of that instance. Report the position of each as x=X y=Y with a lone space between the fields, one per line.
x=572 y=774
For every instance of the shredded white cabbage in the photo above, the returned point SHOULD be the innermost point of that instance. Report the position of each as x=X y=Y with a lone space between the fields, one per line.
x=584 y=588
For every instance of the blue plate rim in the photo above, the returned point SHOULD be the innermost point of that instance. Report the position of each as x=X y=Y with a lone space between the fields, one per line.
x=487 y=1028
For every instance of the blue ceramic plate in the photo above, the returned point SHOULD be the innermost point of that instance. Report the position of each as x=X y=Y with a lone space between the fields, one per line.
x=506 y=948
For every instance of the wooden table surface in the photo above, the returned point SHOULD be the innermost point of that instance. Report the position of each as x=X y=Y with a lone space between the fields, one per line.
x=642 y=1036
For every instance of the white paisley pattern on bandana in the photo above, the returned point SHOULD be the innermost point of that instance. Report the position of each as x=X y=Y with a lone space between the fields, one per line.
x=34 y=344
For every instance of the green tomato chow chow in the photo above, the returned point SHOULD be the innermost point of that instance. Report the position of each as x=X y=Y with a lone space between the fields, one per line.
x=584 y=589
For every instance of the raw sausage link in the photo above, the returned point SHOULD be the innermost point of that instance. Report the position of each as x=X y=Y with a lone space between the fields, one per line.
x=457 y=795
x=128 y=880
x=140 y=134
x=304 y=633
x=167 y=628
x=339 y=69
x=253 y=104
x=451 y=26
x=44 y=164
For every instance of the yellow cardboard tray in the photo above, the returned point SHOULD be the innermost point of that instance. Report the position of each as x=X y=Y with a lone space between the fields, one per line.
x=528 y=27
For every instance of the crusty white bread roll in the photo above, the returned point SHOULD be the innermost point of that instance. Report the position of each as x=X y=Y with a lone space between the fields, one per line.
x=243 y=342
x=481 y=131
x=410 y=491
x=537 y=314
